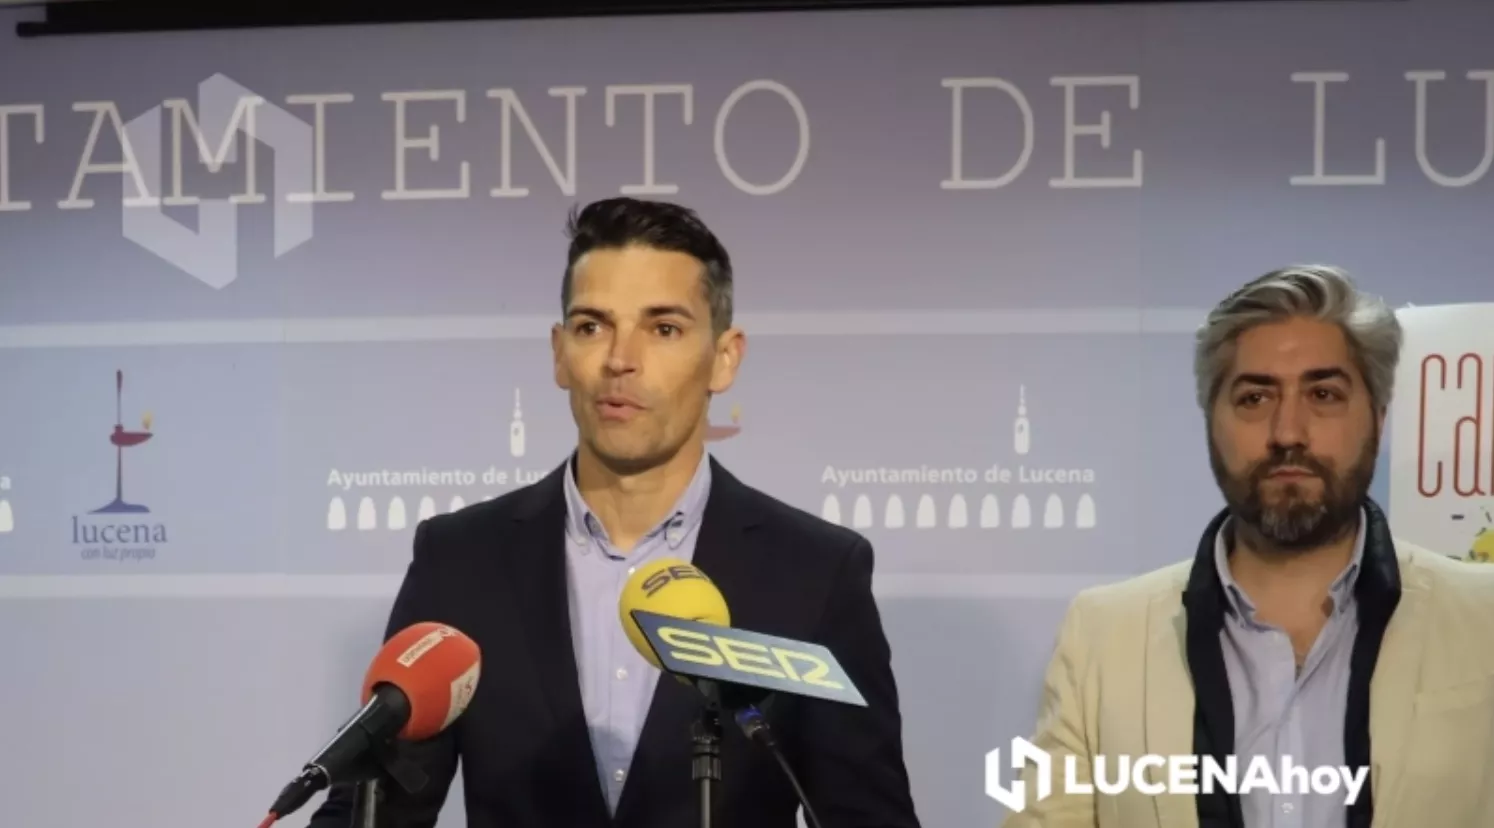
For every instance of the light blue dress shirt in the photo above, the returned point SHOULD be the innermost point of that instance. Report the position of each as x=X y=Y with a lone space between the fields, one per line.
x=617 y=684
x=1280 y=713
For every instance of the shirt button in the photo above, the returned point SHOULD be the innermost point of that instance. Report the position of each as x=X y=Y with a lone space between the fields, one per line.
x=622 y=673
x=618 y=775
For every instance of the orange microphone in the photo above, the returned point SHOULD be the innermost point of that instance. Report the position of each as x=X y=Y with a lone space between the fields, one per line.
x=434 y=667
x=419 y=683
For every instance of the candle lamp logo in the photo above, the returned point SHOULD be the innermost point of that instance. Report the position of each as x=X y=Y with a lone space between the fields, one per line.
x=718 y=432
x=114 y=531
x=121 y=440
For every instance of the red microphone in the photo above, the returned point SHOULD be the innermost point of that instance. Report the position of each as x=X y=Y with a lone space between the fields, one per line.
x=419 y=683
x=435 y=667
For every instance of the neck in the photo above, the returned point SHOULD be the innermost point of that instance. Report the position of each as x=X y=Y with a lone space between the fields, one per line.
x=630 y=503
x=1298 y=577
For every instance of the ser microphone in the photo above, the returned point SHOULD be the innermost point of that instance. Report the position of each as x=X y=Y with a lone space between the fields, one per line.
x=419 y=683
x=677 y=619
x=670 y=587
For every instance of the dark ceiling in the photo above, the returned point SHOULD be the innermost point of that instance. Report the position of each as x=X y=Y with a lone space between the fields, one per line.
x=105 y=16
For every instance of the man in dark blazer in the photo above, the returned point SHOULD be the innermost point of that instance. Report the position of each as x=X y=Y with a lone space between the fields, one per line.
x=570 y=727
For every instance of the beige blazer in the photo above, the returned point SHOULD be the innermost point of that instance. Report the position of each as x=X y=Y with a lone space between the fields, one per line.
x=1118 y=684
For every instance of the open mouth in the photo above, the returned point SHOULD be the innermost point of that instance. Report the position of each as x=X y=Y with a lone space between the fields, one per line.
x=617 y=408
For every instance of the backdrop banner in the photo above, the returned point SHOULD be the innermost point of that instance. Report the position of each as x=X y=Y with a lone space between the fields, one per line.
x=269 y=298
x=1442 y=438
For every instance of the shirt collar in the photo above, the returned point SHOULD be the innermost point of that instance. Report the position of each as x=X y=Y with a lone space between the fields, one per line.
x=583 y=526
x=1341 y=592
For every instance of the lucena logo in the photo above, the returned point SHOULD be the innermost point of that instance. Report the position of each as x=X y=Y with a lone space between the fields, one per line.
x=120 y=530
x=1154 y=775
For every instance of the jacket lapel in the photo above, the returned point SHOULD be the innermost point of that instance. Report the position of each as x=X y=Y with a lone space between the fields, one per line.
x=1169 y=706
x=1393 y=693
x=721 y=554
x=1204 y=604
x=539 y=589
x=1377 y=593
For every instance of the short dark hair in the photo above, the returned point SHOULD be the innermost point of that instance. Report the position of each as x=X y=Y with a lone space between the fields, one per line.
x=620 y=222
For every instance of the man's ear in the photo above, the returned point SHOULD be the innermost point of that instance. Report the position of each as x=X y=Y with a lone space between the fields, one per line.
x=731 y=347
x=557 y=344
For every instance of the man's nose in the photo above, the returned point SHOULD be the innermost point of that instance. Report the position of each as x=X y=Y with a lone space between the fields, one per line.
x=1288 y=422
x=622 y=356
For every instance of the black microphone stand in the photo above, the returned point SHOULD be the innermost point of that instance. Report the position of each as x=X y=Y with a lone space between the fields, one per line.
x=705 y=765
x=366 y=799
x=384 y=762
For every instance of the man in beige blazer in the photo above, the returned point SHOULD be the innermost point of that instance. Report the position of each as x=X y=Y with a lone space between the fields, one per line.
x=1301 y=628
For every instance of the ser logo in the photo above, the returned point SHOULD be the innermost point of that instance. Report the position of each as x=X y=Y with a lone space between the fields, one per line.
x=679 y=572
x=744 y=656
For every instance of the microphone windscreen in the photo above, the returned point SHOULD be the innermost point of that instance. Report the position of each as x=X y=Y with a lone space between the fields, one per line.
x=436 y=666
x=669 y=586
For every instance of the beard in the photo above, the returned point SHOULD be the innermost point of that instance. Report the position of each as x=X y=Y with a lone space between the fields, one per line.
x=1296 y=521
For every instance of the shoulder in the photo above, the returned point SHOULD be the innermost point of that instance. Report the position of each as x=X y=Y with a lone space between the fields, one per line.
x=481 y=527
x=806 y=536
x=471 y=520
x=1133 y=595
x=1115 y=613
x=1450 y=603
x=1108 y=626
x=1461 y=588
x=790 y=521
x=828 y=562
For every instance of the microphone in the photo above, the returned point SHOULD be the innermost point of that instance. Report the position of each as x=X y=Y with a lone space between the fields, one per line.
x=670 y=587
x=419 y=683
x=670 y=590
x=677 y=619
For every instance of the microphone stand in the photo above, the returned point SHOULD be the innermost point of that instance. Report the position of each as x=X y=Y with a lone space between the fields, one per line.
x=705 y=765
x=366 y=799
x=385 y=762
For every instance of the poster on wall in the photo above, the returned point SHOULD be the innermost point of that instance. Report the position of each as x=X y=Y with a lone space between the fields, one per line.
x=1442 y=431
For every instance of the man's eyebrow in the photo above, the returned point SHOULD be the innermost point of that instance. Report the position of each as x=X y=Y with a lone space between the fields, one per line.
x=588 y=311
x=1333 y=372
x=654 y=311
x=650 y=312
x=1310 y=375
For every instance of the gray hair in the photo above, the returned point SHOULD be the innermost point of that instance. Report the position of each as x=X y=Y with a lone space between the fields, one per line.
x=1313 y=291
